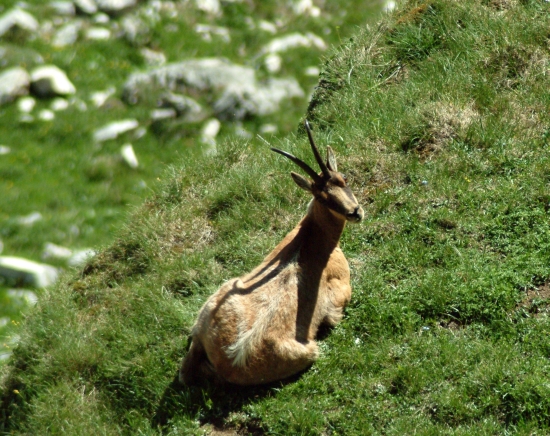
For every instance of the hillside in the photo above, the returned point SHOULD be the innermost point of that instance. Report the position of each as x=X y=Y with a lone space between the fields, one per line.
x=439 y=116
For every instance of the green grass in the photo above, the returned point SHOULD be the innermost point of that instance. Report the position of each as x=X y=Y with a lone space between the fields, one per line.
x=439 y=117
x=83 y=190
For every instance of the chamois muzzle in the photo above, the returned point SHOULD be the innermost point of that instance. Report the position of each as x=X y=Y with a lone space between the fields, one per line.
x=356 y=216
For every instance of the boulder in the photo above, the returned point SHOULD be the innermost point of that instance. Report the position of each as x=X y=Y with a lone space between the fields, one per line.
x=129 y=156
x=17 y=19
x=22 y=271
x=67 y=34
x=85 y=6
x=14 y=82
x=233 y=88
x=49 y=81
x=114 y=129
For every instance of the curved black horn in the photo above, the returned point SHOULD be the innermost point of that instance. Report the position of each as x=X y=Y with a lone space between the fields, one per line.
x=318 y=157
x=300 y=163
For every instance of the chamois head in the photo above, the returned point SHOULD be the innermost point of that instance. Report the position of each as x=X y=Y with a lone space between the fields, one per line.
x=329 y=187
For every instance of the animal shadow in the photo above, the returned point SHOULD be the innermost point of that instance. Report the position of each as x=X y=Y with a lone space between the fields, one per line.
x=212 y=403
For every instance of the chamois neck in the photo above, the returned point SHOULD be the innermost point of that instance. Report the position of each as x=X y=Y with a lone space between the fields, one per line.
x=325 y=225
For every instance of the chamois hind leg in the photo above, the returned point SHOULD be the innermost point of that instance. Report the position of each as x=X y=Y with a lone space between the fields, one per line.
x=298 y=355
x=195 y=366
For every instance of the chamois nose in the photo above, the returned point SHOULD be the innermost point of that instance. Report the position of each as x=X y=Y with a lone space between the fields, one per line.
x=356 y=215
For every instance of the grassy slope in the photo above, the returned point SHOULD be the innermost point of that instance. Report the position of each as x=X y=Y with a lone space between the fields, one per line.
x=440 y=118
x=82 y=189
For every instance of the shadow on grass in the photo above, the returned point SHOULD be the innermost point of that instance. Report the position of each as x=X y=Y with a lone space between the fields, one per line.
x=212 y=403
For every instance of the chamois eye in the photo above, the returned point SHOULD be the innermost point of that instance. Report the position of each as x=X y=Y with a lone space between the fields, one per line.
x=344 y=177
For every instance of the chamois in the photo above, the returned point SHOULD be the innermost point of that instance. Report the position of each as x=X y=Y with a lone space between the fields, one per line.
x=261 y=327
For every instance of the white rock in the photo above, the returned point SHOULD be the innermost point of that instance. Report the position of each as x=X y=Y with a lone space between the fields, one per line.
x=211 y=128
x=294 y=40
x=234 y=89
x=63 y=7
x=312 y=72
x=115 y=6
x=153 y=58
x=273 y=62
x=30 y=219
x=53 y=251
x=129 y=156
x=28 y=296
x=209 y=6
x=14 y=82
x=267 y=26
x=4 y=149
x=268 y=128
x=115 y=128
x=98 y=33
x=17 y=18
x=306 y=7
x=389 y=6
x=50 y=81
x=101 y=18
x=206 y=31
x=162 y=114
x=46 y=115
x=67 y=35
x=59 y=104
x=80 y=257
x=26 y=104
x=188 y=109
x=86 y=6
x=27 y=272
x=99 y=98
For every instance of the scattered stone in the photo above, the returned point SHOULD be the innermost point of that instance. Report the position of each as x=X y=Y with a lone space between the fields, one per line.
x=273 y=62
x=114 y=129
x=162 y=114
x=268 y=129
x=186 y=108
x=59 y=104
x=129 y=156
x=135 y=30
x=101 y=18
x=294 y=40
x=115 y=7
x=27 y=272
x=306 y=7
x=98 y=33
x=4 y=149
x=17 y=18
x=209 y=6
x=312 y=72
x=206 y=31
x=28 y=296
x=209 y=131
x=267 y=26
x=49 y=81
x=46 y=115
x=99 y=98
x=80 y=257
x=236 y=91
x=153 y=58
x=63 y=7
x=53 y=251
x=85 y=6
x=389 y=6
x=30 y=219
x=211 y=128
x=67 y=35
x=14 y=82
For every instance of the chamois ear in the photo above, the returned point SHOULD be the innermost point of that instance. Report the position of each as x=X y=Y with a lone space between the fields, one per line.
x=301 y=181
x=331 y=160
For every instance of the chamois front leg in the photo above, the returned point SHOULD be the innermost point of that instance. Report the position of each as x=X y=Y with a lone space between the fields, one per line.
x=337 y=299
